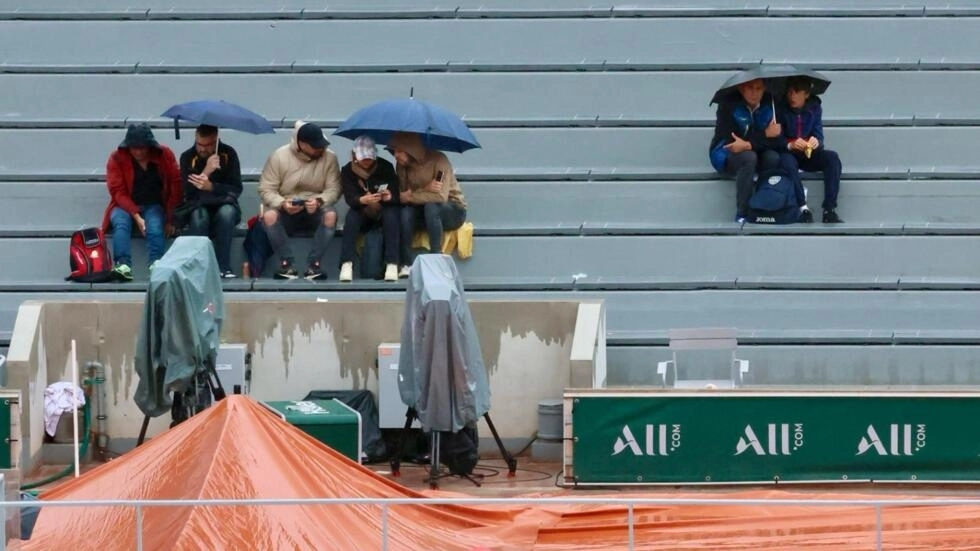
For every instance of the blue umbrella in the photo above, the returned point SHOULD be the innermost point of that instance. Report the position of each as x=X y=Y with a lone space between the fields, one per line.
x=218 y=113
x=440 y=129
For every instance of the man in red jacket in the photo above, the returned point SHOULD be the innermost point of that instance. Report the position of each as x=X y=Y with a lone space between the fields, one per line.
x=144 y=188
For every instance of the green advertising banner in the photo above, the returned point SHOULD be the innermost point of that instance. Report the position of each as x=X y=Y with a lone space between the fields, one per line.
x=740 y=436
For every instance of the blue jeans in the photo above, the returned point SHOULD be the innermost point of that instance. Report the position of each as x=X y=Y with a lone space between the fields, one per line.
x=435 y=218
x=217 y=222
x=122 y=231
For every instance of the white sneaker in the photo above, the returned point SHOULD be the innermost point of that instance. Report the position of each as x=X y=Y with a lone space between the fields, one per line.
x=405 y=272
x=347 y=272
x=391 y=272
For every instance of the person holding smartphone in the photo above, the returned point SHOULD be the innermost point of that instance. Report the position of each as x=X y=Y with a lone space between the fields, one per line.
x=369 y=185
x=429 y=193
x=299 y=186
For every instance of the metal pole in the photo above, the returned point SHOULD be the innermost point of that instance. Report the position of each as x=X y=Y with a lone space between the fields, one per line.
x=384 y=527
x=878 y=527
x=629 y=522
x=139 y=527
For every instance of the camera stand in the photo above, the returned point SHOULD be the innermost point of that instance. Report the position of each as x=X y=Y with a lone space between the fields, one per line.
x=193 y=400
x=434 y=469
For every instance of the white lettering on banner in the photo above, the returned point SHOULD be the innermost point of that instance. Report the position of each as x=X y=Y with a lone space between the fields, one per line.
x=900 y=440
x=779 y=441
x=659 y=440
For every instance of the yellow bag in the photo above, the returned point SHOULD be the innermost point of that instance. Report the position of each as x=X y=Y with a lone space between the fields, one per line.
x=460 y=240
x=464 y=241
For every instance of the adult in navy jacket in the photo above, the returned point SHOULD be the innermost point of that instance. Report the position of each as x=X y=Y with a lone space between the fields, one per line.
x=748 y=138
x=801 y=117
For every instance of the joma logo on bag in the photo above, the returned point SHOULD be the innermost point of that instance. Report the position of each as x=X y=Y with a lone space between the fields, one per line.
x=659 y=440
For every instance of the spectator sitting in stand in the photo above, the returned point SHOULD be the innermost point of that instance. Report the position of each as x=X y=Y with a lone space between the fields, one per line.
x=802 y=123
x=430 y=195
x=144 y=188
x=370 y=189
x=299 y=185
x=212 y=182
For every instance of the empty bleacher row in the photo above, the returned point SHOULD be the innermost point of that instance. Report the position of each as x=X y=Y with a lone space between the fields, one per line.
x=593 y=178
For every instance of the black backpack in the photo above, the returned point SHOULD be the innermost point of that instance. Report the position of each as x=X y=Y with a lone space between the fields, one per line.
x=775 y=200
x=89 y=258
x=460 y=451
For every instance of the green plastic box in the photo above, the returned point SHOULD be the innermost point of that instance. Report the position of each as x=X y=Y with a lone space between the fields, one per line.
x=330 y=421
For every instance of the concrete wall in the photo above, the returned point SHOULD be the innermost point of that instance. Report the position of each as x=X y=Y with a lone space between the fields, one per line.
x=296 y=347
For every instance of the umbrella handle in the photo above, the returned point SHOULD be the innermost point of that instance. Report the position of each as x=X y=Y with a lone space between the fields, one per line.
x=177 y=128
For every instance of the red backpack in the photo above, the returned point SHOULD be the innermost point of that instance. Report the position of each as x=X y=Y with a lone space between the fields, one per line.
x=88 y=257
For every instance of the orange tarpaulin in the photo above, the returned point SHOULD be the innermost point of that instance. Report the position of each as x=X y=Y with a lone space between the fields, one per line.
x=237 y=449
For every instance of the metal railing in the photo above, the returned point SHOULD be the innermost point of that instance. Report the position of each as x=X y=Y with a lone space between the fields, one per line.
x=385 y=503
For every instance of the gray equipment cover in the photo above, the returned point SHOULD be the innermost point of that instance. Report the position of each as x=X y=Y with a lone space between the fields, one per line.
x=441 y=372
x=181 y=327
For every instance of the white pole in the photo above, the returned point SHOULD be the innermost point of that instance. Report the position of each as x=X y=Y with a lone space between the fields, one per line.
x=74 y=401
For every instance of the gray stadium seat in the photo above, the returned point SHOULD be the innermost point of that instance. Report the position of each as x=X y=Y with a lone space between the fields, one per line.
x=898 y=207
x=614 y=262
x=480 y=44
x=567 y=153
x=821 y=366
x=484 y=99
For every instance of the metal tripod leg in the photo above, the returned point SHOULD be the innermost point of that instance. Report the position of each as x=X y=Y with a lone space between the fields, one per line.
x=434 y=461
x=511 y=461
x=396 y=458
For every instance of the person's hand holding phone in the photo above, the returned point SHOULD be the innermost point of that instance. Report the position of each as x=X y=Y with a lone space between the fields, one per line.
x=311 y=205
x=293 y=205
x=370 y=198
x=201 y=182
x=436 y=185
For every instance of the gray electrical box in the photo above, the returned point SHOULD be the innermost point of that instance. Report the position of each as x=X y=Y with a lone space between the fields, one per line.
x=391 y=409
x=232 y=366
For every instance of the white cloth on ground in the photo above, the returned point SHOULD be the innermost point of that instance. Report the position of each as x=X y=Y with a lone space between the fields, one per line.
x=58 y=400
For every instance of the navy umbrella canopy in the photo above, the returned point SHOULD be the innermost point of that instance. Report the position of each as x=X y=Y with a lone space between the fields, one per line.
x=218 y=113
x=775 y=77
x=439 y=128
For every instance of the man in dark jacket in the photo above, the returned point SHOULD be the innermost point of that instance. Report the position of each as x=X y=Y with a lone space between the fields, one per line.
x=212 y=182
x=748 y=138
x=802 y=122
x=370 y=188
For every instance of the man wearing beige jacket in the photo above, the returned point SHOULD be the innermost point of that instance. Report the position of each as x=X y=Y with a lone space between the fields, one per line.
x=300 y=184
x=430 y=195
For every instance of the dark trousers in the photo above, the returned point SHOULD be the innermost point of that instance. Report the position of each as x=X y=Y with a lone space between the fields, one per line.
x=289 y=224
x=744 y=166
x=821 y=160
x=435 y=218
x=217 y=222
x=355 y=223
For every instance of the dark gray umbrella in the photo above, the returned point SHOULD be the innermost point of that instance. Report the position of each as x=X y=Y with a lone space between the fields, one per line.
x=775 y=77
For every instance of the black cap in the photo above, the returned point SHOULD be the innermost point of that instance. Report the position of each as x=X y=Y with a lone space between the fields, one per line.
x=311 y=135
x=139 y=135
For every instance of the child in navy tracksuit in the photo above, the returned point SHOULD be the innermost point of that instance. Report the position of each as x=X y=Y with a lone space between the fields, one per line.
x=802 y=125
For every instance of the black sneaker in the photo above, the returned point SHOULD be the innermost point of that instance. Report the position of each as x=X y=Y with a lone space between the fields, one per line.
x=830 y=217
x=806 y=216
x=286 y=271
x=314 y=273
x=227 y=274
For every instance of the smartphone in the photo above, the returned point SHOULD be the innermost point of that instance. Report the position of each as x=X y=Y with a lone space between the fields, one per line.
x=296 y=201
x=382 y=188
x=439 y=176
